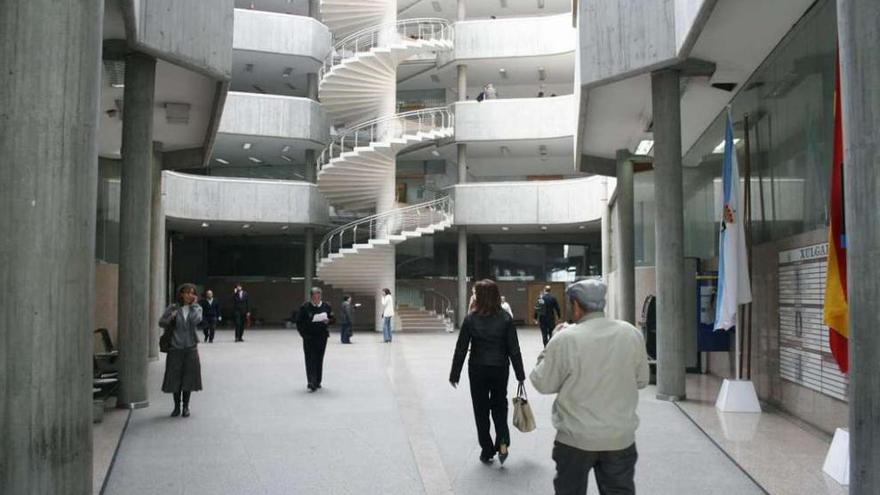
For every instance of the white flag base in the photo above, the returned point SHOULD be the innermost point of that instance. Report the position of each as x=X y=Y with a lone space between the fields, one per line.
x=837 y=460
x=738 y=396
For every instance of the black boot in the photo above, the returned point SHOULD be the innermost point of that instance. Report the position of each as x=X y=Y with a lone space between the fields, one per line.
x=186 y=404
x=176 y=412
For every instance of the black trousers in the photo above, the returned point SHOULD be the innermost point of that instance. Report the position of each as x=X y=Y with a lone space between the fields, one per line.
x=546 y=330
x=239 y=325
x=489 y=397
x=209 y=329
x=313 y=348
x=615 y=470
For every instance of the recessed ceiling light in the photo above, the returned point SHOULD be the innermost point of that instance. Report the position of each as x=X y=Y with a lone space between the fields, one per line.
x=255 y=160
x=720 y=148
x=205 y=224
x=645 y=146
x=503 y=73
x=220 y=160
x=284 y=227
x=544 y=228
x=286 y=158
x=246 y=226
x=582 y=227
x=287 y=72
x=286 y=148
x=435 y=152
x=505 y=228
x=246 y=146
x=117 y=85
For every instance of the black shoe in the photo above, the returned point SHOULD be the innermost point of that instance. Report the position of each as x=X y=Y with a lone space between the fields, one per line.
x=312 y=388
x=176 y=412
x=486 y=458
x=503 y=453
x=185 y=411
x=317 y=386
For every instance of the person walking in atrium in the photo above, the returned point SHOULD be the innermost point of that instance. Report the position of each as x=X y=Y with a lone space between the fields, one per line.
x=240 y=311
x=210 y=315
x=387 y=314
x=347 y=320
x=596 y=368
x=183 y=371
x=491 y=336
x=506 y=306
x=546 y=312
x=312 y=322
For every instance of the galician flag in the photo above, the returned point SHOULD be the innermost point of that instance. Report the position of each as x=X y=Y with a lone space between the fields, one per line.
x=733 y=275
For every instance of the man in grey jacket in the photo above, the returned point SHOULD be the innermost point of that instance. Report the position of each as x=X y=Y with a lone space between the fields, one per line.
x=596 y=367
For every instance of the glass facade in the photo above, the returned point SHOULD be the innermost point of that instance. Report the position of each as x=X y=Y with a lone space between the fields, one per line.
x=788 y=105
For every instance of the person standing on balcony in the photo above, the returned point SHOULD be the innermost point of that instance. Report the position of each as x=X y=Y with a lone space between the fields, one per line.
x=491 y=92
x=387 y=314
x=312 y=322
x=494 y=346
x=210 y=315
x=240 y=310
x=546 y=312
x=347 y=319
x=596 y=368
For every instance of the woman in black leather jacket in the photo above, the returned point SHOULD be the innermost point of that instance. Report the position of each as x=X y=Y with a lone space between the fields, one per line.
x=489 y=332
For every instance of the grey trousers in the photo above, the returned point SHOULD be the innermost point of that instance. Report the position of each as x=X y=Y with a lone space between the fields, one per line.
x=615 y=470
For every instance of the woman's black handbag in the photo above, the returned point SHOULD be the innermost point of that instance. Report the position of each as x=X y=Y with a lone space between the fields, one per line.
x=165 y=342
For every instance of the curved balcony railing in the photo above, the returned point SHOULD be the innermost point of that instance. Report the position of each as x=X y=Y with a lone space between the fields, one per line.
x=384 y=225
x=427 y=28
x=385 y=128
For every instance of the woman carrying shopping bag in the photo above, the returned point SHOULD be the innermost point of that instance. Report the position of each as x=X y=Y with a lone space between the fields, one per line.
x=494 y=346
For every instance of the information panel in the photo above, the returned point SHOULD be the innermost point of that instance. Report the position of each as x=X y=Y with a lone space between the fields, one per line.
x=804 y=355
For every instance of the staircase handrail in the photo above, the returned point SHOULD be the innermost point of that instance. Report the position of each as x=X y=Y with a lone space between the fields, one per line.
x=346 y=140
x=441 y=302
x=430 y=28
x=390 y=223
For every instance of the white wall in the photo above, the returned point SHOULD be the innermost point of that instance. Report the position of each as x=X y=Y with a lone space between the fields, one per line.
x=514 y=37
x=222 y=199
x=275 y=116
x=280 y=33
x=558 y=202
x=515 y=118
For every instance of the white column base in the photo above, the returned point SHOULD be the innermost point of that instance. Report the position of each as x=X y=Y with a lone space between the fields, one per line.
x=738 y=396
x=837 y=461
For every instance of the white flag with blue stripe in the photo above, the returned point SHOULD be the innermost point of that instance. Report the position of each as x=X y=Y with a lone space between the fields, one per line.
x=733 y=269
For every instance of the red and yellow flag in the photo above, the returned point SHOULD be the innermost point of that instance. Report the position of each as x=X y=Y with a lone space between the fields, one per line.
x=836 y=309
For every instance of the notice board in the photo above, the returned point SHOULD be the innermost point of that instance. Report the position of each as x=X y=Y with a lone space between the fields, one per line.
x=804 y=355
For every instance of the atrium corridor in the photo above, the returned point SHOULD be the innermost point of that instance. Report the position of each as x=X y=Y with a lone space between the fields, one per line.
x=386 y=422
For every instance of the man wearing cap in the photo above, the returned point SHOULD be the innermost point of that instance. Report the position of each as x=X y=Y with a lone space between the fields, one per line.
x=596 y=367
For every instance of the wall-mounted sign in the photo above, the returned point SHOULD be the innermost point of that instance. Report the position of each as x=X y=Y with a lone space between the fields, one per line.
x=804 y=355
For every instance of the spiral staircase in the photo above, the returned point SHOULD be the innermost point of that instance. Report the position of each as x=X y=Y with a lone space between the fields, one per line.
x=357 y=170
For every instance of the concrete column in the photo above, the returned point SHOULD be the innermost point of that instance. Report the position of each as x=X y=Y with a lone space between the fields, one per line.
x=859 y=36
x=462 y=82
x=462 y=10
x=134 y=229
x=312 y=86
x=314 y=9
x=463 y=296
x=462 y=96
x=311 y=174
x=309 y=261
x=625 y=238
x=49 y=103
x=157 y=255
x=669 y=232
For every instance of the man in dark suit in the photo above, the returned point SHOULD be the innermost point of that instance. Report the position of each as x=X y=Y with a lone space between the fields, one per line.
x=240 y=311
x=312 y=321
x=210 y=315
x=547 y=310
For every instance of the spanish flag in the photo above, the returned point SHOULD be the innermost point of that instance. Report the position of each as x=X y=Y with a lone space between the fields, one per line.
x=835 y=312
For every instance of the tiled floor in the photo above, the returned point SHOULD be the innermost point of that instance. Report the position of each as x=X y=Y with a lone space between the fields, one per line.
x=386 y=422
x=782 y=455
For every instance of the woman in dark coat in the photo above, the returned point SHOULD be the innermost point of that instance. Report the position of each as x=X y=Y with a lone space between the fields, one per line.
x=489 y=332
x=183 y=373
